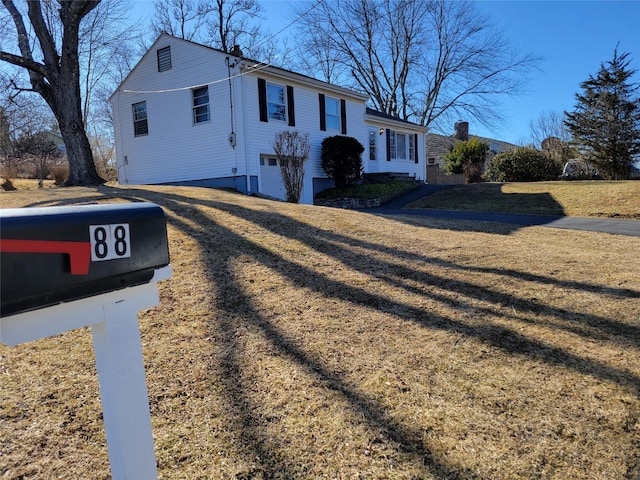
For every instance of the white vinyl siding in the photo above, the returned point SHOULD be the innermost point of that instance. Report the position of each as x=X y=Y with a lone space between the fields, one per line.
x=205 y=152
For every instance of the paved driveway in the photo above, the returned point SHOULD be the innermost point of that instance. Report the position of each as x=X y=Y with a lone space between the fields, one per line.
x=606 y=225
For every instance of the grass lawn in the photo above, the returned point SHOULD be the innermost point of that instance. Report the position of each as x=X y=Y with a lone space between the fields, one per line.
x=581 y=198
x=300 y=342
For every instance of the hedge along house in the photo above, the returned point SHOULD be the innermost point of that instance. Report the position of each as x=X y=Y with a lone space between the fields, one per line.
x=188 y=114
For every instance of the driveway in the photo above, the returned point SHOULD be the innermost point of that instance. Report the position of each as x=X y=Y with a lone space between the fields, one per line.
x=605 y=225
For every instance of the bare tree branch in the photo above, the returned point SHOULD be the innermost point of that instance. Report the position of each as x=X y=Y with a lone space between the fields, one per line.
x=421 y=60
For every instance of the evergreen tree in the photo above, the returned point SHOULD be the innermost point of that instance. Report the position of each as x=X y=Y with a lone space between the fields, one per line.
x=467 y=157
x=606 y=121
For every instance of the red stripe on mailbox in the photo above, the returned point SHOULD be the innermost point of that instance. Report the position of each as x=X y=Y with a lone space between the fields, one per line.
x=79 y=252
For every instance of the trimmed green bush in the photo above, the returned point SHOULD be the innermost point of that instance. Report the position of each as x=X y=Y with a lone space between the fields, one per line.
x=522 y=164
x=341 y=159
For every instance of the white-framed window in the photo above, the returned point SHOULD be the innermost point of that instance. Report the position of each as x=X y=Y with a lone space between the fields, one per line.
x=276 y=102
x=373 y=134
x=201 y=111
x=268 y=161
x=164 y=59
x=398 y=145
x=412 y=147
x=140 y=125
x=332 y=113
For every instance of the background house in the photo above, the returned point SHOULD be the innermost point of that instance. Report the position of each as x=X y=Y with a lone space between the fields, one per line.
x=188 y=114
x=438 y=145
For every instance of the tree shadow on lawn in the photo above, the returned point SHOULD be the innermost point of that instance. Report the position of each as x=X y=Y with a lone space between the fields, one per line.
x=489 y=197
x=236 y=308
x=497 y=336
x=481 y=207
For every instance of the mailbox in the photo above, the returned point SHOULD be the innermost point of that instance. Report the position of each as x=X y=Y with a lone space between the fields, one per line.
x=51 y=255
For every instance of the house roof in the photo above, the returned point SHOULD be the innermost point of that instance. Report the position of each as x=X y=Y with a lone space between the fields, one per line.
x=373 y=115
x=439 y=144
x=253 y=67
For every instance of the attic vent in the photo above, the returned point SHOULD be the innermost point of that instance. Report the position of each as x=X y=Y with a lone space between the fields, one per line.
x=164 y=59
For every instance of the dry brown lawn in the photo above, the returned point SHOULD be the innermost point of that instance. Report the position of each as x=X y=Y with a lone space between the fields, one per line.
x=615 y=199
x=301 y=342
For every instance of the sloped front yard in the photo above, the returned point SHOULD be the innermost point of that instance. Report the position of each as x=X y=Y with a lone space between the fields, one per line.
x=308 y=342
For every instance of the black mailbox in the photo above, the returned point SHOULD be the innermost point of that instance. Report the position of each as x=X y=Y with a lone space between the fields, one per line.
x=51 y=255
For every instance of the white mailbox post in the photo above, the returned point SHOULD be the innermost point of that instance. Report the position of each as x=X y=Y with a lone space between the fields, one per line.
x=103 y=263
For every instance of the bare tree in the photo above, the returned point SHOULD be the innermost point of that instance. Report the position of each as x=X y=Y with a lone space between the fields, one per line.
x=549 y=124
x=292 y=149
x=219 y=24
x=57 y=77
x=105 y=39
x=181 y=18
x=423 y=60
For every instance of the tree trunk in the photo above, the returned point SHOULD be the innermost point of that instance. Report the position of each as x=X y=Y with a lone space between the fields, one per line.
x=68 y=112
x=57 y=79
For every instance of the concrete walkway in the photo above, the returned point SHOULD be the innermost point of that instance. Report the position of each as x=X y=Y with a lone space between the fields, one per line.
x=605 y=225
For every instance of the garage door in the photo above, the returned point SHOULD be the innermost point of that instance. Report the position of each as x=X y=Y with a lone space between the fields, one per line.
x=271 y=178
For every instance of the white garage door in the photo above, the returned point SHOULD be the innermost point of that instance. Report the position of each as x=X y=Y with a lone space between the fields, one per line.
x=271 y=178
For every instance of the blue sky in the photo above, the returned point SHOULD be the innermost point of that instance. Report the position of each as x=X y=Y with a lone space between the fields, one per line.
x=572 y=37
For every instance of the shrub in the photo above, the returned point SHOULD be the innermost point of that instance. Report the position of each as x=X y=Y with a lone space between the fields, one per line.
x=7 y=185
x=467 y=157
x=59 y=174
x=292 y=149
x=522 y=164
x=341 y=159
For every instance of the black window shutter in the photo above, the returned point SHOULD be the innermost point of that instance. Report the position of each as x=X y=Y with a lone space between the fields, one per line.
x=388 y=145
x=262 y=99
x=291 y=112
x=343 y=116
x=323 y=113
x=415 y=148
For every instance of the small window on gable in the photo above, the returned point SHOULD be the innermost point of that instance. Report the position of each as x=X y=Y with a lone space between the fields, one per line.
x=140 y=125
x=164 y=59
x=332 y=112
x=201 y=105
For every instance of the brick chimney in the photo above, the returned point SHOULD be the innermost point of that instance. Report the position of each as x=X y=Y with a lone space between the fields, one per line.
x=462 y=130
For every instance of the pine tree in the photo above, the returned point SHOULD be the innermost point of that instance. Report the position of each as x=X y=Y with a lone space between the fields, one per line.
x=606 y=121
x=467 y=157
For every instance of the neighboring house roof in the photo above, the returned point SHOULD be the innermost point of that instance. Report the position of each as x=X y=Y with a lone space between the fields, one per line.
x=438 y=145
x=56 y=139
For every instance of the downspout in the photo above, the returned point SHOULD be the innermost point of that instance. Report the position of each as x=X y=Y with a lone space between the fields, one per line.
x=242 y=67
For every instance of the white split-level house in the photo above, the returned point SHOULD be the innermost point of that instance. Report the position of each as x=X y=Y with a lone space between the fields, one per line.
x=188 y=114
